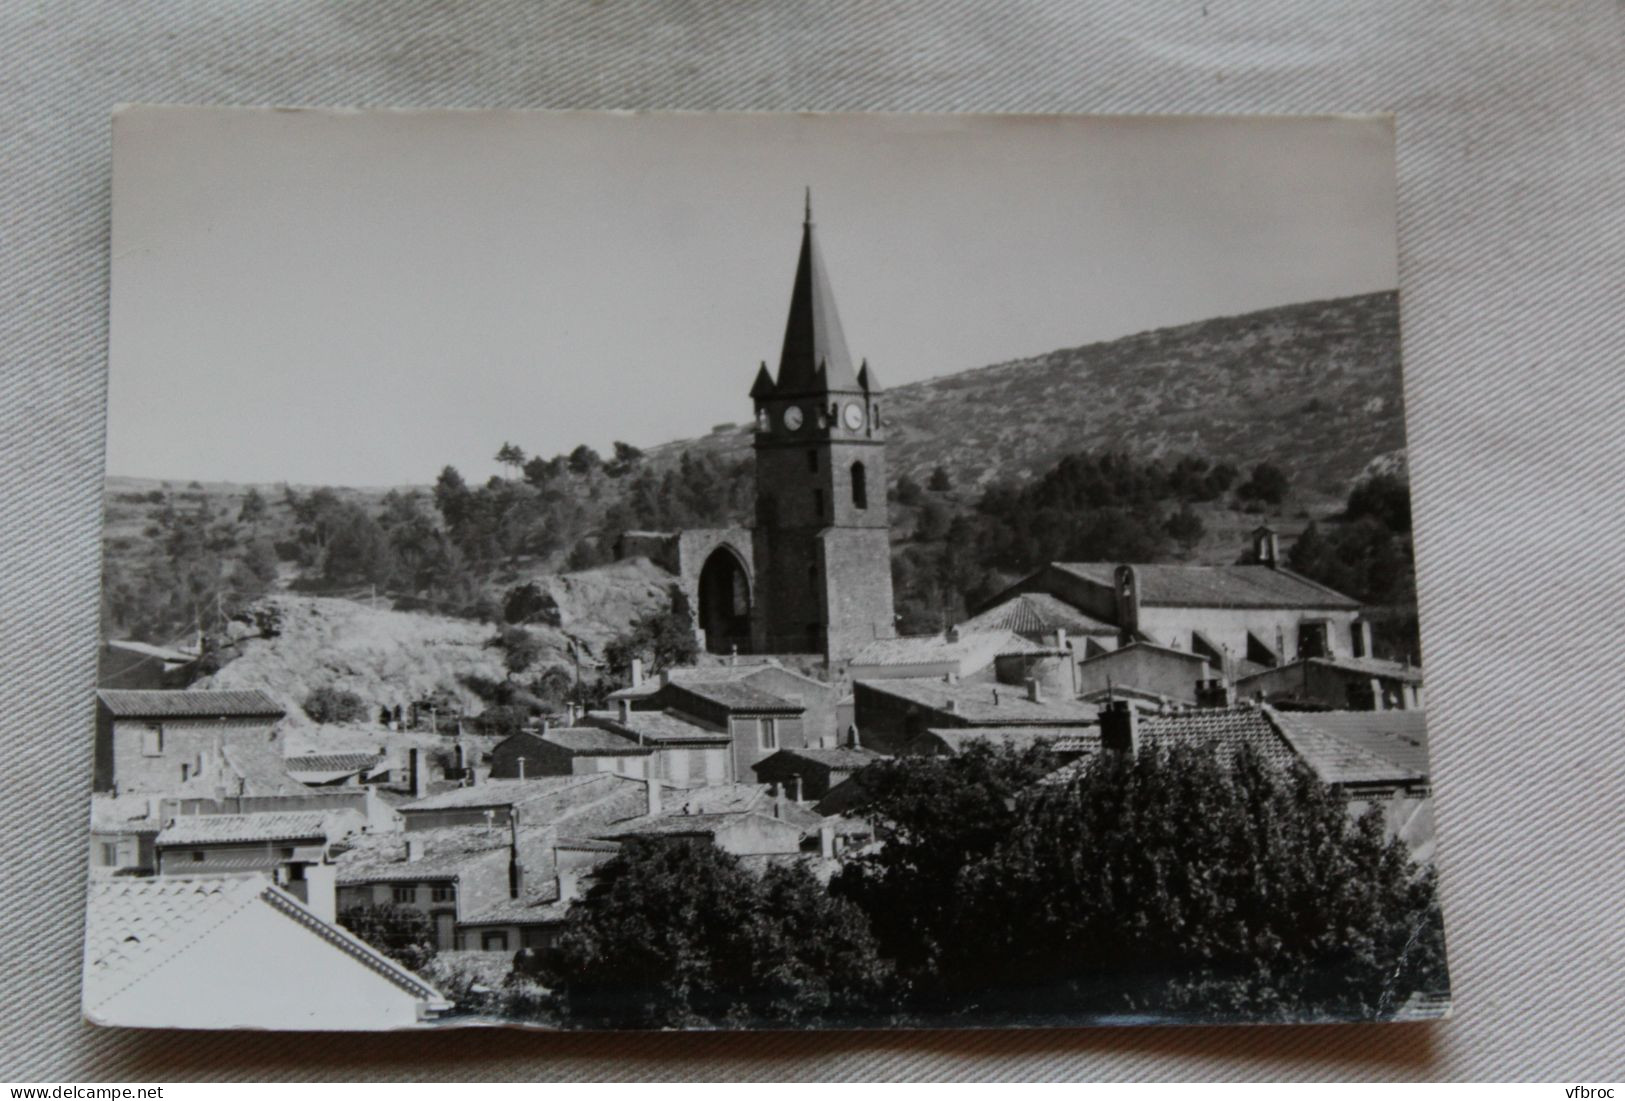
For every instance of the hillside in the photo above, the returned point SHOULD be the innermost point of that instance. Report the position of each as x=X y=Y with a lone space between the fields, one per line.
x=1313 y=387
x=389 y=657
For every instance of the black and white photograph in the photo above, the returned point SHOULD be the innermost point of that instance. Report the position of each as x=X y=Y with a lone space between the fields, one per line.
x=640 y=571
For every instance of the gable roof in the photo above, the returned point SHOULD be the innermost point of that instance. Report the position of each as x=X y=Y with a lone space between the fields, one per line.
x=975 y=702
x=499 y=793
x=135 y=927
x=1251 y=585
x=837 y=759
x=258 y=770
x=131 y=703
x=590 y=740
x=222 y=829
x=331 y=762
x=1031 y=614
x=448 y=854
x=658 y=728
x=735 y=695
x=1398 y=738
x=973 y=650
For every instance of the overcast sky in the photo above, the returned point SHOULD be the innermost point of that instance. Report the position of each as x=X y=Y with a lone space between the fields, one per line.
x=360 y=298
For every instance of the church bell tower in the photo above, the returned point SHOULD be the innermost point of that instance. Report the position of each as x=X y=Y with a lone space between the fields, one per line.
x=822 y=540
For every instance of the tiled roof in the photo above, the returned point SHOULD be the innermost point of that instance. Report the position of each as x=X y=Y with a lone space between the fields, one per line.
x=1241 y=586
x=594 y=739
x=1037 y=614
x=840 y=758
x=1337 y=749
x=737 y=695
x=974 y=650
x=975 y=702
x=134 y=927
x=704 y=674
x=157 y=704
x=1061 y=739
x=1226 y=729
x=658 y=728
x=715 y=799
x=668 y=825
x=447 y=853
x=124 y=814
x=1400 y=737
x=220 y=829
x=498 y=793
x=1374 y=667
x=331 y=762
x=258 y=770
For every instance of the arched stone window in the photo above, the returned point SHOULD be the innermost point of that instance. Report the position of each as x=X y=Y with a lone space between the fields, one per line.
x=860 y=487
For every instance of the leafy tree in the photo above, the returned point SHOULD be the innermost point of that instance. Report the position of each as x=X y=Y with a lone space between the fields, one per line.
x=908 y=491
x=938 y=814
x=519 y=647
x=403 y=933
x=1184 y=882
x=663 y=639
x=252 y=510
x=584 y=460
x=512 y=457
x=1385 y=497
x=625 y=459
x=329 y=704
x=939 y=481
x=680 y=934
x=932 y=522
x=1268 y=484
x=1186 y=527
x=529 y=603
x=540 y=472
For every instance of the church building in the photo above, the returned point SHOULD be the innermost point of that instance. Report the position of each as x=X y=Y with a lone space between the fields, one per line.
x=813 y=575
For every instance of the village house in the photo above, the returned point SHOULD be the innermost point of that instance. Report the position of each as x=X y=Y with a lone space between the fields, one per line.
x=755 y=720
x=571 y=751
x=236 y=951
x=958 y=652
x=823 y=717
x=816 y=775
x=1242 y=618
x=337 y=769
x=1039 y=617
x=1156 y=671
x=289 y=847
x=1359 y=684
x=169 y=743
x=894 y=713
x=123 y=829
x=742 y=819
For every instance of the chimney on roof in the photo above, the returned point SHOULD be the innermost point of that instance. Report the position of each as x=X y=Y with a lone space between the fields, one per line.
x=1120 y=728
x=950 y=677
x=733 y=654
x=637 y=672
x=521 y=768
x=1035 y=691
x=778 y=800
x=1060 y=639
x=626 y=710
x=826 y=841
x=852 y=736
x=1214 y=692
x=952 y=707
x=952 y=633
x=652 y=805
x=995 y=697
x=801 y=791
x=414 y=849
x=419 y=774
x=1266 y=546
x=321 y=891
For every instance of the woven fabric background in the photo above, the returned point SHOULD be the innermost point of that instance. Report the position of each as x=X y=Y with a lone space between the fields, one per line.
x=1512 y=168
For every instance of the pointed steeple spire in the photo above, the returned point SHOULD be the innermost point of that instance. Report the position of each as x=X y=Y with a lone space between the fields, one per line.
x=812 y=334
x=763 y=386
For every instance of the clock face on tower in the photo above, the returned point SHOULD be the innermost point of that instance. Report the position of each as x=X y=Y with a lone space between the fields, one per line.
x=792 y=418
x=853 y=416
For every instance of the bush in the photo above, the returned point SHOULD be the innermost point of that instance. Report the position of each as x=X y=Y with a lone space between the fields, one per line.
x=681 y=934
x=334 y=705
x=403 y=933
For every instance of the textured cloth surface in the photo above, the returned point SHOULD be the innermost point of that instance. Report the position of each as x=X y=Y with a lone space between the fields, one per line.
x=1511 y=163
